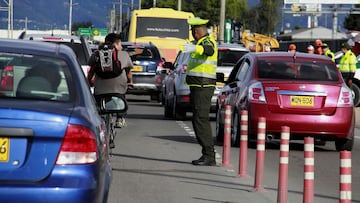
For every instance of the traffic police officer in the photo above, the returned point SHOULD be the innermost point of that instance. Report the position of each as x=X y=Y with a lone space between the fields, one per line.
x=327 y=51
x=201 y=78
x=347 y=65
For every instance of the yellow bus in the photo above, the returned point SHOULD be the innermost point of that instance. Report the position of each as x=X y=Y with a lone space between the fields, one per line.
x=166 y=28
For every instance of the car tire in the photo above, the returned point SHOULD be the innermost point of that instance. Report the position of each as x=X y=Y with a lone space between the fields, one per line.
x=235 y=130
x=178 y=112
x=156 y=97
x=167 y=109
x=342 y=144
x=219 y=127
x=356 y=91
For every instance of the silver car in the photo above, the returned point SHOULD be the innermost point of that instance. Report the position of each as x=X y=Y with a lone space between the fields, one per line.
x=176 y=94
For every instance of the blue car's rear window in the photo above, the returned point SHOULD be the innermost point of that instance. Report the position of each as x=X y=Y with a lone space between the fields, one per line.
x=34 y=77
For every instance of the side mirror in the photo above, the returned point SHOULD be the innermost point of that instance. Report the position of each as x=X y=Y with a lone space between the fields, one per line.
x=220 y=77
x=113 y=104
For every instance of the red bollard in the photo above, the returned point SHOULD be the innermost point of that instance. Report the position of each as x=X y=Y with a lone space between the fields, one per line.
x=308 y=170
x=243 y=144
x=283 y=165
x=260 y=155
x=227 y=134
x=345 y=177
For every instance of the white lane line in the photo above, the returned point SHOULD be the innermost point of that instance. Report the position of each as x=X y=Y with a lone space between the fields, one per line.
x=189 y=130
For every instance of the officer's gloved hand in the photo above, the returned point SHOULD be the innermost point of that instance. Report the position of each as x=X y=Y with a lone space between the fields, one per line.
x=188 y=48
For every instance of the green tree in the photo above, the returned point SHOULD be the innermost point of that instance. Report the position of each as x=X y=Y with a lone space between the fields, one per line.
x=160 y=4
x=236 y=10
x=264 y=17
x=210 y=9
x=75 y=26
x=352 y=21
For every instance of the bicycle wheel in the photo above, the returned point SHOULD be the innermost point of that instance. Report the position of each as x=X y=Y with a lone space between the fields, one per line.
x=109 y=131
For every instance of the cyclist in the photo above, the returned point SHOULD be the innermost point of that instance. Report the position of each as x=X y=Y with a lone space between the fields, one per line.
x=112 y=86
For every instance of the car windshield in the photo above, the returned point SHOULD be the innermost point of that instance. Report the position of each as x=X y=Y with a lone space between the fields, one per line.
x=34 y=77
x=275 y=69
x=141 y=53
x=227 y=57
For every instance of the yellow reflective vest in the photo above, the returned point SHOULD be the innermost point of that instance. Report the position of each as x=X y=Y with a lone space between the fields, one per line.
x=201 y=70
x=348 y=62
x=330 y=54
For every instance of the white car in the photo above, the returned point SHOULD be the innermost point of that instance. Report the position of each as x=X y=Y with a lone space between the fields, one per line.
x=176 y=94
x=78 y=44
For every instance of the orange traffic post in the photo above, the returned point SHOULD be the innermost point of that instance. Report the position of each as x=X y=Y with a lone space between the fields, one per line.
x=227 y=134
x=243 y=144
x=345 y=177
x=283 y=165
x=308 y=193
x=260 y=155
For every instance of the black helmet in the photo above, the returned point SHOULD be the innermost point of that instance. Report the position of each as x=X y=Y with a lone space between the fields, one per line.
x=112 y=37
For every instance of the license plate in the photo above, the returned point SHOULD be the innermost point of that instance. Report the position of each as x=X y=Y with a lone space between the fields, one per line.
x=4 y=149
x=301 y=101
x=137 y=69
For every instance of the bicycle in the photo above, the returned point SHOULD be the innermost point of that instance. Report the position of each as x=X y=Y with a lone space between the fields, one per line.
x=110 y=104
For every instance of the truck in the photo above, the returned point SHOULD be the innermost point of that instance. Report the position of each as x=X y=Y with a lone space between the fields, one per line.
x=257 y=42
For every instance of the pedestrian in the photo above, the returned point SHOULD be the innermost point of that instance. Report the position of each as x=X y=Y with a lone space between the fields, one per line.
x=327 y=52
x=292 y=48
x=117 y=85
x=317 y=46
x=201 y=77
x=310 y=49
x=347 y=65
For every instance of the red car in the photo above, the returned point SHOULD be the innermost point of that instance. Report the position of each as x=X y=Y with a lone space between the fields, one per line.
x=302 y=91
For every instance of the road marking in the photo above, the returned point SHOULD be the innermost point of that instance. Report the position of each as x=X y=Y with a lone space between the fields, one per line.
x=189 y=130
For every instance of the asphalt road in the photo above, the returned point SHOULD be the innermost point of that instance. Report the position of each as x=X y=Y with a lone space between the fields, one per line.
x=151 y=164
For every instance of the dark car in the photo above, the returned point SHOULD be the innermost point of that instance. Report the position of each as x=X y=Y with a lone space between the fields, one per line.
x=302 y=91
x=79 y=44
x=53 y=143
x=148 y=71
x=176 y=94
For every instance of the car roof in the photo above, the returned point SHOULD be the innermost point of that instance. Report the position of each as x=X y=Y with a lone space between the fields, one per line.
x=140 y=44
x=52 y=37
x=288 y=55
x=33 y=47
x=233 y=46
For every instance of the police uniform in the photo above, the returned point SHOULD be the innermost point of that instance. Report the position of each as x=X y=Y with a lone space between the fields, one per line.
x=201 y=78
x=328 y=52
x=347 y=65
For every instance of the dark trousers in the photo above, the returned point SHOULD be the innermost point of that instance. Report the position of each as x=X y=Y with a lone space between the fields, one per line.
x=200 y=99
x=348 y=76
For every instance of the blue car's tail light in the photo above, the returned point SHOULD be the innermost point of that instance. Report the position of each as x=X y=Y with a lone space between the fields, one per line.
x=78 y=147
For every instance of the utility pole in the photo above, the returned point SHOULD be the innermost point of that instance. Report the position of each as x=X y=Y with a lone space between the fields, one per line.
x=70 y=14
x=222 y=21
x=120 y=17
x=179 y=5
x=9 y=9
x=11 y=17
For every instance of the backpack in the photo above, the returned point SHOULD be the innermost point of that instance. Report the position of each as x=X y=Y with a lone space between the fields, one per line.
x=108 y=64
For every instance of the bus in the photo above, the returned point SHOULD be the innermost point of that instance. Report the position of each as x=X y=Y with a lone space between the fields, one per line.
x=166 y=28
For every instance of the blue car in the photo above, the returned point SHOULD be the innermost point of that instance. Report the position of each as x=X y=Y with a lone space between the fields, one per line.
x=53 y=146
x=148 y=71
